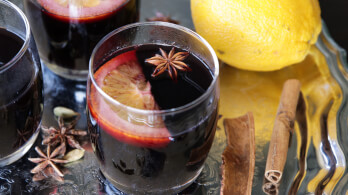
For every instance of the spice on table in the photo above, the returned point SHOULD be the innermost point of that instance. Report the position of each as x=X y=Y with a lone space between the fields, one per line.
x=270 y=188
x=64 y=112
x=48 y=159
x=48 y=172
x=65 y=133
x=238 y=158
x=282 y=129
x=74 y=155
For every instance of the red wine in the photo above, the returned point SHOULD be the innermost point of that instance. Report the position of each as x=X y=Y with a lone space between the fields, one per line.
x=67 y=41
x=189 y=86
x=20 y=96
x=128 y=164
x=10 y=45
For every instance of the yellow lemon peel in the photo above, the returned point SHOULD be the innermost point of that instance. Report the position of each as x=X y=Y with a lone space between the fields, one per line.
x=258 y=35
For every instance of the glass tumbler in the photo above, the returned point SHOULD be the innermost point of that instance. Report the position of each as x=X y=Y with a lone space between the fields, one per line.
x=67 y=31
x=152 y=151
x=21 y=99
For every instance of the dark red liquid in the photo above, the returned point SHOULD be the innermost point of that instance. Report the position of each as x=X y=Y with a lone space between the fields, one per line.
x=68 y=42
x=334 y=14
x=10 y=45
x=20 y=95
x=192 y=132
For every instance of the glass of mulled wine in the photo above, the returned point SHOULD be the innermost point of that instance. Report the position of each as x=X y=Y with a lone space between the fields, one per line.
x=20 y=85
x=66 y=31
x=152 y=98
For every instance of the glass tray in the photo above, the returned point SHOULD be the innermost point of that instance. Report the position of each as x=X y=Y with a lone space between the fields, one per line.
x=316 y=161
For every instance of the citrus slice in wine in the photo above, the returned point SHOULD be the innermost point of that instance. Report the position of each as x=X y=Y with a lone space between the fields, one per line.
x=122 y=79
x=81 y=10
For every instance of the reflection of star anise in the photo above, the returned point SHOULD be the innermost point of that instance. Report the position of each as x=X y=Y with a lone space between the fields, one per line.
x=4 y=115
x=47 y=173
x=24 y=134
x=169 y=62
x=161 y=17
x=94 y=136
x=94 y=139
x=63 y=134
x=47 y=159
x=21 y=138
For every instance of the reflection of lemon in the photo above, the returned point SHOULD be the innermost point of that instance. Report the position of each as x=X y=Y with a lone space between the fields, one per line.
x=79 y=3
x=258 y=35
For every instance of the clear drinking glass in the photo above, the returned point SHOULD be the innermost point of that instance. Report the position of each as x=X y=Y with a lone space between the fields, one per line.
x=20 y=85
x=161 y=150
x=67 y=31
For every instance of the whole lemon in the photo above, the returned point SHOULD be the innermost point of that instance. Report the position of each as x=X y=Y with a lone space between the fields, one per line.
x=260 y=35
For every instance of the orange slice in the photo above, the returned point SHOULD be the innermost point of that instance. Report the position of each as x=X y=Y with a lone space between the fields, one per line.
x=81 y=10
x=123 y=80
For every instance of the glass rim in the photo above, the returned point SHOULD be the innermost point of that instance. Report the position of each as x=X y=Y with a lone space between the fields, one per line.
x=165 y=111
x=25 y=45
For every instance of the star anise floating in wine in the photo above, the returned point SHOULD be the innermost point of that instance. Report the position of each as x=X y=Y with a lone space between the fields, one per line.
x=170 y=62
x=65 y=133
x=48 y=159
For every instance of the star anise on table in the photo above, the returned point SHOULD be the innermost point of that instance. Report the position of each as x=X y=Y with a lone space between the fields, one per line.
x=161 y=17
x=65 y=133
x=47 y=173
x=170 y=62
x=44 y=161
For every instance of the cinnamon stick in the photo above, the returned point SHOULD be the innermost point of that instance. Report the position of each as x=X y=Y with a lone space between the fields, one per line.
x=238 y=158
x=283 y=128
x=270 y=188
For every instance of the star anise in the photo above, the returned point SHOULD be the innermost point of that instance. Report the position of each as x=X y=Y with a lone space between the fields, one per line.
x=63 y=133
x=47 y=159
x=4 y=115
x=161 y=17
x=48 y=172
x=24 y=134
x=21 y=138
x=170 y=62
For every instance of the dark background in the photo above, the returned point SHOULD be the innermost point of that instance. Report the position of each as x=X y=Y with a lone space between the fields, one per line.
x=335 y=15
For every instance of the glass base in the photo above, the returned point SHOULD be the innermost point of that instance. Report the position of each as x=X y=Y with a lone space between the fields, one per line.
x=137 y=190
x=77 y=75
x=20 y=152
